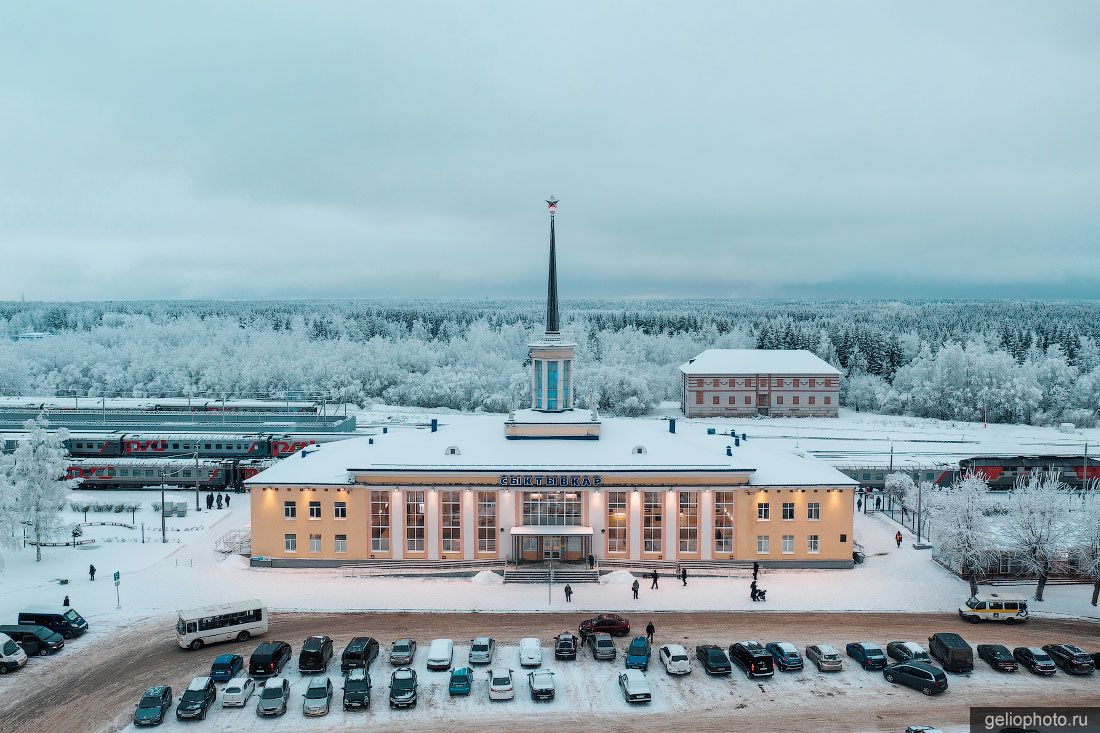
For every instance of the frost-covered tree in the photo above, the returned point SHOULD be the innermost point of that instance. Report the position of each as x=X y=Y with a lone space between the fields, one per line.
x=35 y=472
x=9 y=523
x=899 y=486
x=962 y=531
x=1036 y=526
x=1088 y=541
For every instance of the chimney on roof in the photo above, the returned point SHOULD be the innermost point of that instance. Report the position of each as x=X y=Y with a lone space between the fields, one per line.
x=385 y=430
x=729 y=450
x=672 y=425
x=370 y=441
x=737 y=441
x=435 y=424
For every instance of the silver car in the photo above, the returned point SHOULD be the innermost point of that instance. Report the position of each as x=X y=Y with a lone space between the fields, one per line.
x=481 y=650
x=826 y=657
x=402 y=653
x=318 y=697
x=273 y=697
x=602 y=646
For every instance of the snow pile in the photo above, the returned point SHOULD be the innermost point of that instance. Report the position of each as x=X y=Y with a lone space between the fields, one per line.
x=487 y=577
x=618 y=577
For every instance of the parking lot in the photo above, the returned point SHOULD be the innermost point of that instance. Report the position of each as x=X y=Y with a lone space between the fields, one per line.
x=113 y=672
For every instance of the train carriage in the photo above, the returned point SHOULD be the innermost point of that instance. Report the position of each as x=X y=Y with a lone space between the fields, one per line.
x=141 y=473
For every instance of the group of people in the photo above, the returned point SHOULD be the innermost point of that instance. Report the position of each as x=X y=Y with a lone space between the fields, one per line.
x=755 y=593
x=654 y=577
x=219 y=499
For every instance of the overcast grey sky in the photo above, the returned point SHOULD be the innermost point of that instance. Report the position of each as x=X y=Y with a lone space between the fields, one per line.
x=786 y=149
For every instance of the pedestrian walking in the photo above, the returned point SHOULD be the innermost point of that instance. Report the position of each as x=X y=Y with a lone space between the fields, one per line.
x=755 y=571
x=209 y=501
x=878 y=503
x=897 y=538
x=91 y=572
x=591 y=561
x=568 y=593
x=634 y=587
x=65 y=602
x=684 y=575
x=652 y=587
x=752 y=589
x=227 y=501
x=650 y=629
x=859 y=504
x=219 y=501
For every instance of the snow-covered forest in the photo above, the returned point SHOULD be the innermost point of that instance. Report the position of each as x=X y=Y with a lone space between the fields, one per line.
x=1025 y=361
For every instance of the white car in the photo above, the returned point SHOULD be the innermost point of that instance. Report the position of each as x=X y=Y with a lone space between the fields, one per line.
x=481 y=650
x=237 y=692
x=440 y=654
x=500 y=685
x=675 y=658
x=530 y=652
x=635 y=686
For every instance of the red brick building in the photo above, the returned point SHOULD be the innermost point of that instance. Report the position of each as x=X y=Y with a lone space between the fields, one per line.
x=748 y=382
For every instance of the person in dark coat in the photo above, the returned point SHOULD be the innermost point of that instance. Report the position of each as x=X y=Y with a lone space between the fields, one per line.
x=859 y=504
x=752 y=590
x=209 y=501
x=219 y=501
x=654 y=585
x=878 y=502
x=755 y=570
x=568 y=593
x=684 y=575
x=227 y=501
x=591 y=561
x=634 y=587
x=650 y=630
x=65 y=602
x=897 y=538
x=91 y=572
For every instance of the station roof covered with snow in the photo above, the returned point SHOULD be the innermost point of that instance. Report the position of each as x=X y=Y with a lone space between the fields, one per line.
x=758 y=361
x=476 y=444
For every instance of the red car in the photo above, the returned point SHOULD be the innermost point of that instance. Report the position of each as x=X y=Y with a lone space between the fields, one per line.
x=608 y=623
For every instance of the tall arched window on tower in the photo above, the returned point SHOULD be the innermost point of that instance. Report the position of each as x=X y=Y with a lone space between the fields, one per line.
x=538 y=384
x=568 y=369
x=551 y=385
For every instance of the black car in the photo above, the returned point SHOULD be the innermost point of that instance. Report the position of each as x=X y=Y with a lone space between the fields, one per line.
x=35 y=639
x=927 y=678
x=565 y=646
x=357 y=689
x=196 y=699
x=403 y=688
x=998 y=657
x=1035 y=660
x=153 y=706
x=714 y=659
x=269 y=659
x=753 y=658
x=1070 y=658
x=359 y=653
x=315 y=655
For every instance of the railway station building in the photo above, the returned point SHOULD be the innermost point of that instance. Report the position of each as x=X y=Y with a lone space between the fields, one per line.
x=551 y=481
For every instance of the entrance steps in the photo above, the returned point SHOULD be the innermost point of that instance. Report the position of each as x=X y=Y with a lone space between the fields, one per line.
x=543 y=575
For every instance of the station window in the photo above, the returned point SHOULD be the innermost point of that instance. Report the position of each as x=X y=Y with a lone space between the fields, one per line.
x=315 y=543
x=763 y=544
x=290 y=542
x=788 y=510
x=379 y=521
x=450 y=521
x=812 y=544
x=340 y=510
x=315 y=510
x=290 y=510
x=652 y=521
x=617 y=520
x=763 y=510
x=788 y=544
x=813 y=510
x=486 y=521
x=341 y=544
x=723 y=521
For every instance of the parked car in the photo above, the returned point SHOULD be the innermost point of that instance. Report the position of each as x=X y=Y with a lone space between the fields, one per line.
x=441 y=654
x=951 y=651
x=606 y=623
x=922 y=729
x=12 y=656
x=237 y=691
x=500 y=684
x=714 y=658
x=530 y=652
x=638 y=653
x=675 y=658
x=273 y=697
x=825 y=657
x=752 y=658
x=360 y=652
x=786 y=656
x=998 y=657
x=867 y=653
x=907 y=651
x=153 y=706
x=462 y=681
x=269 y=659
x=1035 y=660
x=922 y=676
x=318 y=697
x=403 y=688
x=565 y=646
x=35 y=640
x=542 y=686
x=403 y=652
x=196 y=699
x=482 y=650
x=994 y=607
x=315 y=655
x=357 y=689
x=635 y=686
x=226 y=667
x=602 y=646
x=64 y=621
x=1070 y=658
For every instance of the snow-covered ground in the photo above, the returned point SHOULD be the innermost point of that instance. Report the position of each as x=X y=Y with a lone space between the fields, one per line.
x=158 y=579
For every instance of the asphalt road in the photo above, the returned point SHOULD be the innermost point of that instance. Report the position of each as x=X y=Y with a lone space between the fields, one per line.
x=94 y=682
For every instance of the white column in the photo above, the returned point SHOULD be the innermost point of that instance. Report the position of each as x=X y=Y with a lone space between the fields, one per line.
x=597 y=520
x=506 y=517
x=397 y=523
x=672 y=525
x=431 y=523
x=706 y=524
x=635 y=498
x=469 y=524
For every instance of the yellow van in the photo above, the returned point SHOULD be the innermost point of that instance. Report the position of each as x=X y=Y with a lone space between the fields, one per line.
x=994 y=607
